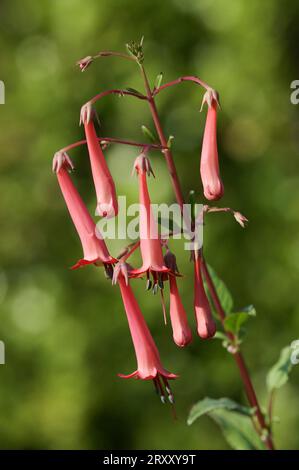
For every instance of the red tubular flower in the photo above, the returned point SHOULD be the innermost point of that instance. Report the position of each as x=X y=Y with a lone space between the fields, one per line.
x=209 y=164
x=181 y=331
x=94 y=247
x=150 y=244
x=147 y=355
x=206 y=327
x=104 y=185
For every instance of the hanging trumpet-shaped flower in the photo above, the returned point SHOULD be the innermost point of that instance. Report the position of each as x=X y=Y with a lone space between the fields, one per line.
x=94 y=247
x=150 y=243
x=104 y=185
x=149 y=366
x=209 y=164
x=181 y=331
x=206 y=327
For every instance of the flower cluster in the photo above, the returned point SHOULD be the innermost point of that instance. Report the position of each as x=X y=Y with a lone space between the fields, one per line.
x=158 y=261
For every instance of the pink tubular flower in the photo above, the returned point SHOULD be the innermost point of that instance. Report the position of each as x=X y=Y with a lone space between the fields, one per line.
x=181 y=331
x=148 y=358
x=104 y=185
x=94 y=247
x=206 y=327
x=150 y=243
x=209 y=165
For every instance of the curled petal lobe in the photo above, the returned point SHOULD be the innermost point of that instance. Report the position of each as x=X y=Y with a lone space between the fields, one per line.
x=121 y=268
x=208 y=98
x=61 y=159
x=154 y=374
x=87 y=113
x=142 y=165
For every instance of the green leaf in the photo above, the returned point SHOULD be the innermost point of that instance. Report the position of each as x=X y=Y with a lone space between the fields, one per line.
x=234 y=321
x=233 y=419
x=237 y=430
x=147 y=133
x=224 y=294
x=279 y=373
x=158 y=80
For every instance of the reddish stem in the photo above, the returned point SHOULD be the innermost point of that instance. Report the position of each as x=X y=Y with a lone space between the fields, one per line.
x=244 y=373
x=131 y=250
x=167 y=152
x=117 y=92
x=114 y=141
x=114 y=54
x=187 y=78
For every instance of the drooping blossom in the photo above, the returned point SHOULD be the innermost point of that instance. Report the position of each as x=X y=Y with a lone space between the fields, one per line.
x=104 y=185
x=181 y=331
x=149 y=366
x=206 y=327
x=209 y=164
x=84 y=63
x=94 y=247
x=150 y=243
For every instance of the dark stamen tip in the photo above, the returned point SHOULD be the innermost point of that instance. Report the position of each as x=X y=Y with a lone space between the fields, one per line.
x=108 y=271
x=163 y=400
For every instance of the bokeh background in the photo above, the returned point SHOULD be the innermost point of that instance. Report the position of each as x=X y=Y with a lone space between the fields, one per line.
x=65 y=332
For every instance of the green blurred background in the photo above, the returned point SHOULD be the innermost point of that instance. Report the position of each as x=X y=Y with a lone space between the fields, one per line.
x=65 y=332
